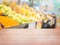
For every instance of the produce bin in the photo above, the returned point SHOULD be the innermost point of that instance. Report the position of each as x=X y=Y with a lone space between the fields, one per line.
x=14 y=15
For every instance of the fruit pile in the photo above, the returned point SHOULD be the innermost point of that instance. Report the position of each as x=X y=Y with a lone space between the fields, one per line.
x=6 y=22
x=24 y=14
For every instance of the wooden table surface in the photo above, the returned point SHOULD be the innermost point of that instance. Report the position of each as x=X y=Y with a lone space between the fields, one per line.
x=30 y=37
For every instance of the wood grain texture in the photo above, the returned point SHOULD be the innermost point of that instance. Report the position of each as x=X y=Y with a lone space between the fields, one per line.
x=30 y=37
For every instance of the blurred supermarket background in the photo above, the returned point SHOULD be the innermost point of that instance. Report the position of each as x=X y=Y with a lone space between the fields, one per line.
x=51 y=6
x=48 y=10
x=46 y=6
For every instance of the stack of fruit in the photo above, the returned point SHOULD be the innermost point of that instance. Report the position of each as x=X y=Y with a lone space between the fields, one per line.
x=23 y=14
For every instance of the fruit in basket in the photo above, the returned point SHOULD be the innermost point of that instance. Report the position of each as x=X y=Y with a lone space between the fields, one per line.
x=25 y=15
x=5 y=9
x=8 y=22
x=12 y=14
